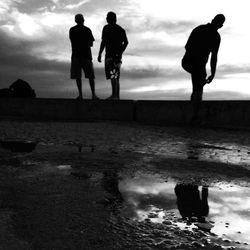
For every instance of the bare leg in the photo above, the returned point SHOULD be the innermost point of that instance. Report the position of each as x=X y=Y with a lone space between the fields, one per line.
x=113 y=85
x=118 y=88
x=92 y=87
x=79 y=86
x=115 y=88
x=196 y=99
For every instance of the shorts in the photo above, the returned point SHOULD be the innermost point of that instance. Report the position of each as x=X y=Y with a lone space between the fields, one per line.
x=79 y=63
x=197 y=69
x=112 y=67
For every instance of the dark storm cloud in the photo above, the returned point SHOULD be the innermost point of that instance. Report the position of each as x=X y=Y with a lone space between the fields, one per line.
x=17 y=61
x=16 y=54
x=17 y=58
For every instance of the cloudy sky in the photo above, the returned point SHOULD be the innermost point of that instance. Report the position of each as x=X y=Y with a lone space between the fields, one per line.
x=35 y=46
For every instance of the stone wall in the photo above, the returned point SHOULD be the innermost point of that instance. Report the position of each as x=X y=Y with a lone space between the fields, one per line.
x=231 y=113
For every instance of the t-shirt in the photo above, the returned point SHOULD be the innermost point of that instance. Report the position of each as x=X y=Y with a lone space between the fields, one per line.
x=203 y=40
x=81 y=40
x=113 y=36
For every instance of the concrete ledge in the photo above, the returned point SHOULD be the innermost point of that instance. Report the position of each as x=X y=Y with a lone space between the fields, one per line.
x=218 y=113
x=172 y=112
x=232 y=113
x=66 y=109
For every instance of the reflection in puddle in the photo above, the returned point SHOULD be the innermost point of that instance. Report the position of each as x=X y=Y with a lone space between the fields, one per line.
x=221 y=212
x=64 y=167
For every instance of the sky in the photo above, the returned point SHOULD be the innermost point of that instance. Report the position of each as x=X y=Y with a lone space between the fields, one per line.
x=36 y=48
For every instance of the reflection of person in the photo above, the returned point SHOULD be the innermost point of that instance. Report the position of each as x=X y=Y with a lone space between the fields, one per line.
x=203 y=40
x=81 y=42
x=189 y=202
x=114 y=40
x=110 y=183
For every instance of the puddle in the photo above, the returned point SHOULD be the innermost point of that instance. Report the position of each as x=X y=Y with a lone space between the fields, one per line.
x=221 y=213
x=64 y=167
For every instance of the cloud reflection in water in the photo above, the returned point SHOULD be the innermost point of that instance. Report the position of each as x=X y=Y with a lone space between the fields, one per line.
x=149 y=197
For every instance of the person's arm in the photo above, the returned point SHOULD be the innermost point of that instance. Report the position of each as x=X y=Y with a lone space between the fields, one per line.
x=102 y=46
x=125 y=42
x=92 y=39
x=91 y=42
x=213 y=61
x=213 y=64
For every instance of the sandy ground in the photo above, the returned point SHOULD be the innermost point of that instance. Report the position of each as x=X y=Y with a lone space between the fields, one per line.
x=67 y=194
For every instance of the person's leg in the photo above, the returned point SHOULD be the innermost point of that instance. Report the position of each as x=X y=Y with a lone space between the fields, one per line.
x=112 y=69
x=117 y=66
x=196 y=99
x=113 y=86
x=79 y=86
x=76 y=73
x=108 y=68
x=118 y=88
x=198 y=80
x=88 y=69
x=92 y=87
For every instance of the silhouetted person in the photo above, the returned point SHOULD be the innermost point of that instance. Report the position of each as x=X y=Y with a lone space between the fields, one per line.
x=189 y=202
x=110 y=183
x=203 y=40
x=81 y=42
x=114 y=40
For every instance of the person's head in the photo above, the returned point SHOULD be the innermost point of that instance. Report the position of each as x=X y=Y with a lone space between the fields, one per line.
x=111 y=18
x=218 y=21
x=79 y=19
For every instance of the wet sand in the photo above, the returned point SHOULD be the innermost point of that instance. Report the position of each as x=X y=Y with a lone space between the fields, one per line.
x=103 y=185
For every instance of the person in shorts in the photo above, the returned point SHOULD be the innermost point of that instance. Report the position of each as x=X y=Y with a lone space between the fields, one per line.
x=203 y=40
x=114 y=40
x=81 y=59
